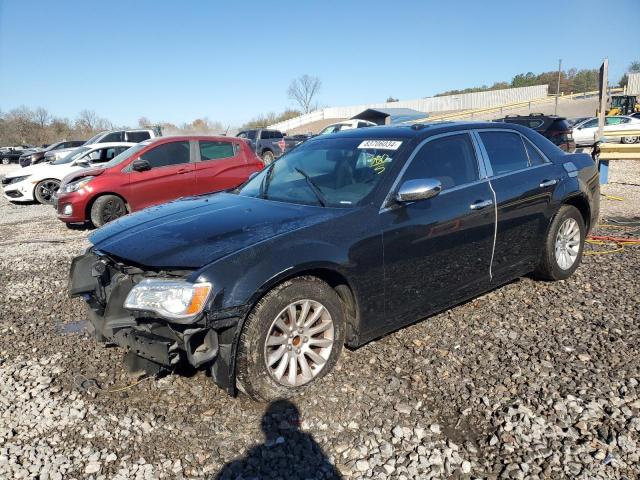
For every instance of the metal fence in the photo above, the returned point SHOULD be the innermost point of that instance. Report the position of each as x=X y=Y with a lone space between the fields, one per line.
x=463 y=101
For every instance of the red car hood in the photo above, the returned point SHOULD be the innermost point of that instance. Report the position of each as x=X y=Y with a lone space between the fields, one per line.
x=88 y=172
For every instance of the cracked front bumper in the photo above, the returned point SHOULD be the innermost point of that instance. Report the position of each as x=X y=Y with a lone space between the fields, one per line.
x=104 y=285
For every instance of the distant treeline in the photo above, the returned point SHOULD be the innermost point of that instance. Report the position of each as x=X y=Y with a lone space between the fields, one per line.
x=24 y=126
x=571 y=80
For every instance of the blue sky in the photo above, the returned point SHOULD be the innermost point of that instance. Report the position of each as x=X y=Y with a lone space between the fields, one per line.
x=229 y=61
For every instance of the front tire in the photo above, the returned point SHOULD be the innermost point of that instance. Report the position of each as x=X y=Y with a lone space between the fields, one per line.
x=292 y=338
x=45 y=189
x=106 y=209
x=630 y=140
x=563 y=246
x=6 y=161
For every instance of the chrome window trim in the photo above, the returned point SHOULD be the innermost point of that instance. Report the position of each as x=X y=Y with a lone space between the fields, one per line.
x=388 y=204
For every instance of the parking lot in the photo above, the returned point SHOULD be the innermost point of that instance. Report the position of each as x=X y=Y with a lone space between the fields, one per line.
x=533 y=379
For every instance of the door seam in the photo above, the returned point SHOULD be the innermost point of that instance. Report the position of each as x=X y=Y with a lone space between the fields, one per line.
x=495 y=228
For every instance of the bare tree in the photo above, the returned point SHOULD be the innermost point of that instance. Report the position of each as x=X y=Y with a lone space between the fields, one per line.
x=87 y=120
x=303 y=91
x=41 y=117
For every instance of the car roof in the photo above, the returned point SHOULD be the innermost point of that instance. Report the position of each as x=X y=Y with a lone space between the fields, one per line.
x=183 y=138
x=419 y=130
x=96 y=146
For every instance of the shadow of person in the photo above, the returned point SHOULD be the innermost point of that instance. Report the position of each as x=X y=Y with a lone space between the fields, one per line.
x=287 y=452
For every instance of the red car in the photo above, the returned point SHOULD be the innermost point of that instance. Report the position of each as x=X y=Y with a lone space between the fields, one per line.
x=152 y=172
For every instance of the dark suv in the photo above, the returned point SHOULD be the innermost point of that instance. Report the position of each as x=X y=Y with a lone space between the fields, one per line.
x=557 y=129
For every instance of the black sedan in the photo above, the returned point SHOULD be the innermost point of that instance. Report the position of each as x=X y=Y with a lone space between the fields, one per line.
x=346 y=238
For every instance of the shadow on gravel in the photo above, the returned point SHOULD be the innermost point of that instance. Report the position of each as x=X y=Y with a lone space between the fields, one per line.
x=287 y=452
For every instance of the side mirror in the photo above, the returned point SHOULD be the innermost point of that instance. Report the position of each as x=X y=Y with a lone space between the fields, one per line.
x=140 y=165
x=419 y=189
x=82 y=163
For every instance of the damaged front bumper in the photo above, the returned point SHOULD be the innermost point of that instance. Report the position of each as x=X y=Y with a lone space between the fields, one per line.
x=104 y=284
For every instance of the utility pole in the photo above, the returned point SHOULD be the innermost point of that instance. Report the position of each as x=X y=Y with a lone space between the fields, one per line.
x=555 y=111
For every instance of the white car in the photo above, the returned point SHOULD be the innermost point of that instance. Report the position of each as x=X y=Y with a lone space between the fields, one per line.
x=39 y=182
x=584 y=133
x=346 y=125
x=134 y=135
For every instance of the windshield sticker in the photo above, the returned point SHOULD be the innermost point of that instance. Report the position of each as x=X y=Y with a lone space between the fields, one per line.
x=381 y=144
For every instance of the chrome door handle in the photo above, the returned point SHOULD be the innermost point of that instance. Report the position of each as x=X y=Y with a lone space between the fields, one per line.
x=480 y=204
x=548 y=183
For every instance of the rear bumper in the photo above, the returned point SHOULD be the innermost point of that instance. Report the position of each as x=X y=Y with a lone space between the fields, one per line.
x=104 y=285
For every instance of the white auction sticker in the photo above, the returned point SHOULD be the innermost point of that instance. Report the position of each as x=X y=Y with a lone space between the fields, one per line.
x=381 y=144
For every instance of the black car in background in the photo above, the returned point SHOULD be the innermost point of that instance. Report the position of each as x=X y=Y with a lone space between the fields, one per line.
x=557 y=129
x=12 y=154
x=344 y=239
x=31 y=158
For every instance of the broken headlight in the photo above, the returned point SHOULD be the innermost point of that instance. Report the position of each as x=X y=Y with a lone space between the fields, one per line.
x=171 y=299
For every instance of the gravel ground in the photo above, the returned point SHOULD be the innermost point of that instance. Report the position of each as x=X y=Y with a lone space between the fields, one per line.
x=532 y=380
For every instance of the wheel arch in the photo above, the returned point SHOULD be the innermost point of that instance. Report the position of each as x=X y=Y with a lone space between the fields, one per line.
x=87 y=209
x=329 y=275
x=580 y=202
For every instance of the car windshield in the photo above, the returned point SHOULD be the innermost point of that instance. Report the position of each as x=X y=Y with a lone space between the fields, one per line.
x=124 y=155
x=93 y=139
x=329 y=172
x=333 y=128
x=73 y=155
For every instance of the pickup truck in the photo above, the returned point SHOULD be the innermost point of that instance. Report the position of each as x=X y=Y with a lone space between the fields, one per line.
x=270 y=144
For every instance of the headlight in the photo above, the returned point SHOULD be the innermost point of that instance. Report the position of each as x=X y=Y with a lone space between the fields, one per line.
x=77 y=185
x=17 y=179
x=172 y=299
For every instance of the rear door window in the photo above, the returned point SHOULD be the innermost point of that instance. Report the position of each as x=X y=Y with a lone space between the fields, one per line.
x=112 y=137
x=506 y=151
x=167 y=154
x=451 y=160
x=216 y=150
x=136 y=137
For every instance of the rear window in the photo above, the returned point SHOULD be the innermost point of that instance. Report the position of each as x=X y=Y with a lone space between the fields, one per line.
x=560 y=124
x=275 y=134
x=216 y=150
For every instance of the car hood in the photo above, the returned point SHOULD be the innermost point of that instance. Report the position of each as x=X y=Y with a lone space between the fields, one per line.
x=30 y=170
x=195 y=231
x=46 y=170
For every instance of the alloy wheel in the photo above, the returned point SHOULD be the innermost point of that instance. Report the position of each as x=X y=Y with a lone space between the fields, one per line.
x=112 y=210
x=567 y=244
x=47 y=189
x=299 y=343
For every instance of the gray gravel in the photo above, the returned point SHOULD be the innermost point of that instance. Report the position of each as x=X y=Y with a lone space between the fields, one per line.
x=532 y=380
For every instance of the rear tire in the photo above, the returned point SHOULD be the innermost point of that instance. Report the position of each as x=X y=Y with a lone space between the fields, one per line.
x=106 y=209
x=267 y=157
x=630 y=140
x=6 y=161
x=312 y=349
x=563 y=247
x=45 y=189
